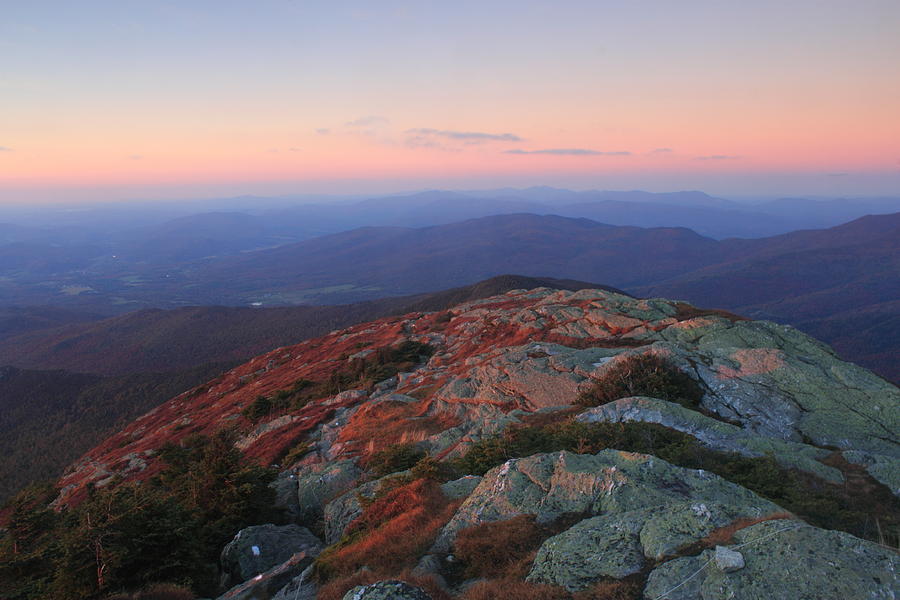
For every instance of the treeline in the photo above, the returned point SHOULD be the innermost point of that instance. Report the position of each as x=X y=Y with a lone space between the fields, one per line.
x=127 y=535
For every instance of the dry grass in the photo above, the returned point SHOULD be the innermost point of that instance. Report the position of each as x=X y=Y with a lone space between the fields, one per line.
x=630 y=588
x=494 y=589
x=392 y=533
x=502 y=549
x=724 y=536
x=378 y=426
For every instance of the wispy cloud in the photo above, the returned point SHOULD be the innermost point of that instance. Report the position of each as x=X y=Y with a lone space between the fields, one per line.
x=837 y=174
x=570 y=152
x=136 y=157
x=717 y=157
x=368 y=121
x=6 y=149
x=661 y=151
x=323 y=131
x=464 y=136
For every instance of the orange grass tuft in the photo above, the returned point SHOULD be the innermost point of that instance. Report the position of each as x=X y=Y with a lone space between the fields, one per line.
x=393 y=532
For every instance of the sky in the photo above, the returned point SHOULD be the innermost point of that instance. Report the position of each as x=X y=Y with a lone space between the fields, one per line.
x=120 y=99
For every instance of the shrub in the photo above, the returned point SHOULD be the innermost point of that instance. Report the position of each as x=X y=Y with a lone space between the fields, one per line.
x=392 y=459
x=259 y=408
x=296 y=453
x=643 y=375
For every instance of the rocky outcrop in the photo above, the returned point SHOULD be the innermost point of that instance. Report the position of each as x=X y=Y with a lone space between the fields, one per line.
x=713 y=433
x=387 y=590
x=523 y=358
x=782 y=561
x=609 y=483
x=266 y=585
x=257 y=549
x=618 y=545
x=301 y=587
x=498 y=359
x=318 y=484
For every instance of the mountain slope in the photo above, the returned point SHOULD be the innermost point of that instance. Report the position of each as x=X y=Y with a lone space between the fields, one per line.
x=638 y=434
x=49 y=417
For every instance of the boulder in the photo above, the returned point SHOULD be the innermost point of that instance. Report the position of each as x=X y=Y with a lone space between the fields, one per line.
x=257 y=549
x=783 y=560
x=590 y=550
x=618 y=545
x=712 y=433
x=460 y=488
x=285 y=487
x=559 y=483
x=266 y=585
x=341 y=511
x=318 y=484
x=386 y=590
x=781 y=383
x=728 y=560
x=301 y=587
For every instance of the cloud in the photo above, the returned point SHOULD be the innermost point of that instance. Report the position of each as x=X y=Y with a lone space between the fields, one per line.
x=661 y=151
x=323 y=131
x=465 y=136
x=6 y=149
x=717 y=157
x=368 y=121
x=569 y=152
x=837 y=174
x=135 y=156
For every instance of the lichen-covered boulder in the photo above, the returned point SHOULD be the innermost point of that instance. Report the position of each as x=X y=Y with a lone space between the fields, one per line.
x=460 y=488
x=257 y=549
x=620 y=544
x=386 y=590
x=781 y=383
x=592 y=549
x=318 y=484
x=712 y=433
x=559 y=483
x=341 y=511
x=783 y=560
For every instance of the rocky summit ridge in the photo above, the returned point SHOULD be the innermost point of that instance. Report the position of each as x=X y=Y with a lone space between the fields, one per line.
x=419 y=448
